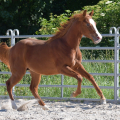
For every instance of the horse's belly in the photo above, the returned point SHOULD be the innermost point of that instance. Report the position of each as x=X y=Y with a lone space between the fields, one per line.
x=48 y=71
x=43 y=68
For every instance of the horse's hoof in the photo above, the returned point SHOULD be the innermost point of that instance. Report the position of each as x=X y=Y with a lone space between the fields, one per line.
x=72 y=95
x=14 y=106
x=44 y=107
x=103 y=101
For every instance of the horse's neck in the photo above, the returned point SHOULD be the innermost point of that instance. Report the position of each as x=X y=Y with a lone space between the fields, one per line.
x=4 y=55
x=73 y=36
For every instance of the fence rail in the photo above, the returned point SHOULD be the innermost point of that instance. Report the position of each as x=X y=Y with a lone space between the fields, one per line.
x=15 y=34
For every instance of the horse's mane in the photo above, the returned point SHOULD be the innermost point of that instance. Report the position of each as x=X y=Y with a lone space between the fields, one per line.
x=65 y=27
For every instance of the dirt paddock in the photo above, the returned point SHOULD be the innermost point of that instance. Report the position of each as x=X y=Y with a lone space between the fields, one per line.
x=70 y=110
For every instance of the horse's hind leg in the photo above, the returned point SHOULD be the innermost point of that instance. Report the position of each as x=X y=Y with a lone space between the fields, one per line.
x=13 y=80
x=66 y=70
x=34 y=88
x=78 y=91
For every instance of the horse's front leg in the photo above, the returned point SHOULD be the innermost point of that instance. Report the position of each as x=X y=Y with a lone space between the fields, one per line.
x=36 y=78
x=80 y=69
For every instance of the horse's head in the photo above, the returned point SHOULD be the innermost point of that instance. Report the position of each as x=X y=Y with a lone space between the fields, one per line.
x=89 y=29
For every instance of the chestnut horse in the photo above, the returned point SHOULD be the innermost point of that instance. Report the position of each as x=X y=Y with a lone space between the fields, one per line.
x=58 y=55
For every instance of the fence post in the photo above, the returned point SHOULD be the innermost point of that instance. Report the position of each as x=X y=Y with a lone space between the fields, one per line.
x=62 y=80
x=118 y=60
x=11 y=32
x=12 y=44
x=116 y=64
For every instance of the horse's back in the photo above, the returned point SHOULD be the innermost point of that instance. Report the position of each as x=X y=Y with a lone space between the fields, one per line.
x=20 y=48
x=35 y=55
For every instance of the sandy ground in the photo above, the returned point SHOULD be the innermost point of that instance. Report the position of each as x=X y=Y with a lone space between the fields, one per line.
x=62 y=111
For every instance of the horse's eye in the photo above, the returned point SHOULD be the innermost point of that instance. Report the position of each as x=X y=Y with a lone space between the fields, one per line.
x=88 y=25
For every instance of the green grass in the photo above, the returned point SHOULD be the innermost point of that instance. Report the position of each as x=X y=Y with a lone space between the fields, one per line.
x=56 y=79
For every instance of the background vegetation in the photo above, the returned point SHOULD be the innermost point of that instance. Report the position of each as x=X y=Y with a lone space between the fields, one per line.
x=104 y=16
x=56 y=80
x=24 y=15
x=44 y=17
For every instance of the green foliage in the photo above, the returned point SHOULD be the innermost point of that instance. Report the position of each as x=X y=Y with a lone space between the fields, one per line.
x=50 y=26
x=28 y=16
x=104 y=16
x=22 y=15
x=108 y=13
x=56 y=80
x=58 y=7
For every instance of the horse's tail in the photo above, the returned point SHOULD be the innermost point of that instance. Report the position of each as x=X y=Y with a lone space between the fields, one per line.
x=4 y=53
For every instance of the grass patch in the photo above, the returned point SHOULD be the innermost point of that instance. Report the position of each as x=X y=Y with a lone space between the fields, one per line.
x=56 y=79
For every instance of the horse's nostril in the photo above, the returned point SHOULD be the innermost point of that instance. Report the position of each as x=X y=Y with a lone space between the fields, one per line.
x=98 y=37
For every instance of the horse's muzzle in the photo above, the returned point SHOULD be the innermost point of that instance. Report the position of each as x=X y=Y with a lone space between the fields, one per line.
x=97 y=39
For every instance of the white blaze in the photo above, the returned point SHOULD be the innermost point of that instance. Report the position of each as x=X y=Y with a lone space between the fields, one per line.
x=94 y=26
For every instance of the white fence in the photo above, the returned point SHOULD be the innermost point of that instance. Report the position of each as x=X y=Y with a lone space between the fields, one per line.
x=15 y=34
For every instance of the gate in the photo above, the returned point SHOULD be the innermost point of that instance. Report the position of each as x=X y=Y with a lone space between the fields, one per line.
x=15 y=34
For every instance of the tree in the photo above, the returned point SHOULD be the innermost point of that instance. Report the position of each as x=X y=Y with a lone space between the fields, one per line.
x=59 y=7
x=22 y=15
x=106 y=15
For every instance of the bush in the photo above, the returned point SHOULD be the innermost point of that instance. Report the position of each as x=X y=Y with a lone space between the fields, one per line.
x=106 y=15
x=50 y=26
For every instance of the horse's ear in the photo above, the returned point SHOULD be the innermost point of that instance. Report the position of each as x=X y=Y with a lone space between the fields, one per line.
x=85 y=13
x=91 y=13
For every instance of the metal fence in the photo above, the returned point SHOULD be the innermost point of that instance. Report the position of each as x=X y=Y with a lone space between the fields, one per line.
x=114 y=32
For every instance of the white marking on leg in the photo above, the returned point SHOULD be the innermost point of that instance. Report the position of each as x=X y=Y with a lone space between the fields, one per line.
x=14 y=106
x=72 y=95
x=103 y=101
x=44 y=107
